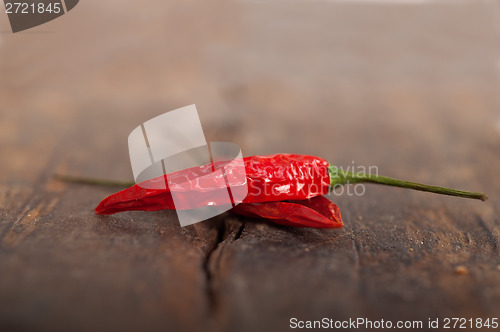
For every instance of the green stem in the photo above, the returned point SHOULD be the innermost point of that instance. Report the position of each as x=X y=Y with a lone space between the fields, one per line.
x=340 y=177
x=91 y=181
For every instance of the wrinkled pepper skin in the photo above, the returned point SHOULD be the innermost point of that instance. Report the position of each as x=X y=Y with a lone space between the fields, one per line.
x=316 y=212
x=269 y=178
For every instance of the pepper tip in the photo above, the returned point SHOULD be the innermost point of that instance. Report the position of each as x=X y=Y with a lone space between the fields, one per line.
x=100 y=209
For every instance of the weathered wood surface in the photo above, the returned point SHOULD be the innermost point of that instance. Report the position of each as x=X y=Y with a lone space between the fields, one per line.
x=411 y=89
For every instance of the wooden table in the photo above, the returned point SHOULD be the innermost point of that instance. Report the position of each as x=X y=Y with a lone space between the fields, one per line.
x=411 y=89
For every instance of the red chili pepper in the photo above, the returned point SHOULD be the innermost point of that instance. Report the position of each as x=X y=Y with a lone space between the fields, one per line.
x=268 y=178
x=316 y=212
x=279 y=187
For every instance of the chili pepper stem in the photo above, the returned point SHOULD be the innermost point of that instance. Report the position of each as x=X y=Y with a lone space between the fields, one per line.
x=340 y=177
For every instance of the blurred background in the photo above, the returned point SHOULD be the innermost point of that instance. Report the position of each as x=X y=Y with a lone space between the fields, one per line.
x=369 y=81
x=410 y=86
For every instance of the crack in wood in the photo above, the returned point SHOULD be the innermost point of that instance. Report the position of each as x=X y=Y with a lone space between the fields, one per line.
x=225 y=235
x=207 y=270
x=240 y=231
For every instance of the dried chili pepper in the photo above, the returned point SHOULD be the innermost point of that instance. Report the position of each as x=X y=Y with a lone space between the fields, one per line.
x=316 y=212
x=284 y=188
x=268 y=178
